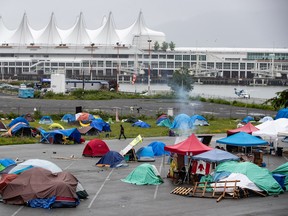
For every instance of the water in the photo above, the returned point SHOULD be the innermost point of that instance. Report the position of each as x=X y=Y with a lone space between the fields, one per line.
x=215 y=91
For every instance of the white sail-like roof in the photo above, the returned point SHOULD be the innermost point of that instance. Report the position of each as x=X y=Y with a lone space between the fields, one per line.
x=5 y=33
x=23 y=35
x=78 y=34
x=50 y=35
x=107 y=33
x=140 y=30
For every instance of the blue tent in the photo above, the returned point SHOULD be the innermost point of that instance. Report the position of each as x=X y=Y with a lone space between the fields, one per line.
x=111 y=158
x=182 y=122
x=17 y=120
x=21 y=129
x=242 y=139
x=216 y=155
x=46 y=120
x=146 y=152
x=6 y=164
x=247 y=119
x=100 y=125
x=283 y=113
x=158 y=148
x=199 y=120
x=141 y=124
x=68 y=118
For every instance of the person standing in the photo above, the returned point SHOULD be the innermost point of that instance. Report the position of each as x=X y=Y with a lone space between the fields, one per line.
x=122 y=132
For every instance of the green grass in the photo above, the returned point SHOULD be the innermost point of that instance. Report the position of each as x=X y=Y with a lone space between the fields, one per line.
x=216 y=126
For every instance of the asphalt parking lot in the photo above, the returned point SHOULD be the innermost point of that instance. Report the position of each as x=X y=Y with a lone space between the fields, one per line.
x=108 y=195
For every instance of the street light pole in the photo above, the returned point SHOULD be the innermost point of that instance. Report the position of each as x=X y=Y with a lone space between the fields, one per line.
x=118 y=67
x=92 y=47
x=149 y=67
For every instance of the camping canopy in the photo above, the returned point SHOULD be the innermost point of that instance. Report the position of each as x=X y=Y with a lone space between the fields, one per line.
x=95 y=148
x=144 y=174
x=261 y=177
x=190 y=146
x=242 y=139
x=248 y=128
x=216 y=156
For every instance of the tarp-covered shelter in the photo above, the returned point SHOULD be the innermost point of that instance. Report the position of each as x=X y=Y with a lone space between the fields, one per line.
x=100 y=125
x=39 y=183
x=46 y=120
x=216 y=156
x=283 y=170
x=17 y=120
x=190 y=146
x=282 y=113
x=242 y=139
x=146 y=154
x=247 y=119
x=83 y=116
x=89 y=131
x=20 y=129
x=248 y=128
x=260 y=176
x=60 y=136
x=144 y=174
x=95 y=148
x=158 y=148
x=111 y=159
x=141 y=124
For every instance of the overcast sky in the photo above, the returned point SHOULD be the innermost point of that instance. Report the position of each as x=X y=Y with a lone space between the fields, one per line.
x=188 y=23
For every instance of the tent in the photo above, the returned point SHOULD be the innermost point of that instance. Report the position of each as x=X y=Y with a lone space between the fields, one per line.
x=141 y=124
x=144 y=174
x=55 y=126
x=29 y=117
x=89 y=131
x=39 y=183
x=100 y=125
x=145 y=154
x=17 y=120
x=28 y=164
x=266 y=118
x=161 y=118
x=165 y=123
x=248 y=128
x=46 y=120
x=6 y=164
x=20 y=129
x=283 y=113
x=247 y=119
x=260 y=176
x=199 y=120
x=242 y=139
x=83 y=116
x=283 y=170
x=112 y=159
x=60 y=136
x=216 y=156
x=3 y=127
x=68 y=118
x=95 y=148
x=158 y=148
x=190 y=146
x=182 y=122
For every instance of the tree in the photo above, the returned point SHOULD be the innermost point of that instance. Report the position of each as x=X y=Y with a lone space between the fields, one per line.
x=181 y=82
x=172 y=46
x=281 y=100
x=156 y=46
x=164 y=46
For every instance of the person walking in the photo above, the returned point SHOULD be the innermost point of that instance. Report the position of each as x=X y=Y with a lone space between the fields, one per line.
x=122 y=132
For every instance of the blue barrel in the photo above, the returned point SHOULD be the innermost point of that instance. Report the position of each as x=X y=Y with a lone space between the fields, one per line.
x=280 y=179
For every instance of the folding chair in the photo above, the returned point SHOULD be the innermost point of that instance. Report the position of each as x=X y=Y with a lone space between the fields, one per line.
x=44 y=136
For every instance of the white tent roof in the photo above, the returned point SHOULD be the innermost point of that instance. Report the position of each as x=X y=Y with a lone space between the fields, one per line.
x=5 y=33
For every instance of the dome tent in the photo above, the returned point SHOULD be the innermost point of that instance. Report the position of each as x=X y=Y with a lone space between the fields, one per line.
x=95 y=148
x=144 y=174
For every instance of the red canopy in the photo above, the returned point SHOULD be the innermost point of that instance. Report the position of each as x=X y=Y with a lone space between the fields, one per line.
x=189 y=146
x=248 y=128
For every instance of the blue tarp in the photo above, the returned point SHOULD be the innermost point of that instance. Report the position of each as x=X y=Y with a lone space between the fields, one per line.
x=283 y=113
x=182 y=122
x=72 y=134
x=247 y=119
x=141 y=124
x=216 y=155
x=21 y=127
x=158 y=148
x=242 y=139
x=100 y=125
x=17 y=120
x=111 y=158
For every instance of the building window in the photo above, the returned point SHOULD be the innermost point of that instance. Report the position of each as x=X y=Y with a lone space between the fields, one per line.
x=178 y=57
x=170 y=64
x=186 y=57
x=235 y=65
x=242 y=66
x=226 y=65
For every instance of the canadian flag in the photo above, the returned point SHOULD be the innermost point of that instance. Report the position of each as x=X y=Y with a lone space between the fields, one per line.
x=134 y=79
x=200 y=167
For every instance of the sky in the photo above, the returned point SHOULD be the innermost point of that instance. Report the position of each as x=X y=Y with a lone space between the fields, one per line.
x=188 y=23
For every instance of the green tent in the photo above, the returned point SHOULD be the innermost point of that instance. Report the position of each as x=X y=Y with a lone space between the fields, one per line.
x=283 y=169
x=262 y=177
x=145 y=174
x=165 y=123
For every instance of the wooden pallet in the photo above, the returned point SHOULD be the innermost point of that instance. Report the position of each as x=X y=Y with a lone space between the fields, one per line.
x=183 y=191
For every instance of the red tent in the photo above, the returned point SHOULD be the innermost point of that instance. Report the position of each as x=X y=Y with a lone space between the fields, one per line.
x=95 y=148
x=189 y=146
x=248 y=128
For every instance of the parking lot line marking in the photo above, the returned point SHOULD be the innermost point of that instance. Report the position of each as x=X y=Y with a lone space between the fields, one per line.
x=15 y=213
x=68 y=166
x=160 y=169
x=107 y=178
